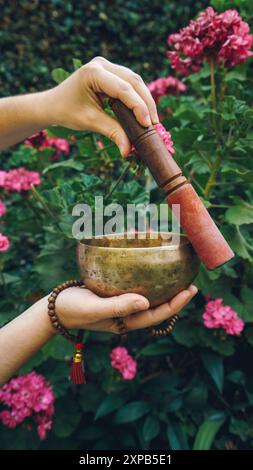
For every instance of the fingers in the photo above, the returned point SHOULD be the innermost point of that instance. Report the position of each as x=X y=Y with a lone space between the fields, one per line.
x=137 y=83
x=111 y=128
x=159 y=314
x=104 y=81
x=121 y=305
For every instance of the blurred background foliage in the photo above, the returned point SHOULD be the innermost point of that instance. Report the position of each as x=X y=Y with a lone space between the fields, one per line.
x=38 y=36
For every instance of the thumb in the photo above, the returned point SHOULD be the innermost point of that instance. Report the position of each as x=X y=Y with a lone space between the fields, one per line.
x=111 y=128
x=122 y=305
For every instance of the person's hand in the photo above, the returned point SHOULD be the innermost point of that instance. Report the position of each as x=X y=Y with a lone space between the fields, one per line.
x=78 y=307
x=75 y=103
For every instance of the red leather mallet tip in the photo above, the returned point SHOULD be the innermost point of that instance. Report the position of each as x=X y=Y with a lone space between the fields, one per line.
x=207 y=240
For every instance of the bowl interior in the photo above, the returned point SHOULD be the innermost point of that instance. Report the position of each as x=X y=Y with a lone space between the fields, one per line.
x=135 y=240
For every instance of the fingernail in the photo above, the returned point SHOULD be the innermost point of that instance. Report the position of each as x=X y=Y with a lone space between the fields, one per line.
x=155 y=119
x=193 y=290
x=140 y=305
x=147 y=120
x=122 y=150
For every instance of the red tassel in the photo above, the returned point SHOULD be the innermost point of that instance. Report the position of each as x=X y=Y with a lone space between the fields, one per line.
x=77 y=369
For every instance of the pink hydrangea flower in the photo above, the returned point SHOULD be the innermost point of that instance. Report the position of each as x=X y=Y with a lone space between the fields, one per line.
x=2 y=208
x=28 y=396
x=2 y=177
x=223 y=37
x=217 y=315
x=36 y=140
x=59 y=145
x=20 y=179
x=166 y=86
x=4 y=243
x=40 y=141
x=123 y=362
x=165 y=136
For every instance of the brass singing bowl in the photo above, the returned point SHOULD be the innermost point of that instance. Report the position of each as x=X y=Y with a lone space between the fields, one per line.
x=153 y=267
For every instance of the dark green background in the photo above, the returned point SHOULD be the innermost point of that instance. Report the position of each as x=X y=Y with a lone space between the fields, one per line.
x=38 y=36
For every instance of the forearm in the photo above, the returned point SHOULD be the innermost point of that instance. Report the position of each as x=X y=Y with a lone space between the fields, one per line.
x=21 y=116
x=23 y=337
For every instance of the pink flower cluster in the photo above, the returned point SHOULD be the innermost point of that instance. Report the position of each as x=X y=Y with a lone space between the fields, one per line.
x=217 y=315
x=28 y=396
x=222 y=37
x=165 y=136
x=166 y=86
x=40 y=141
x=123 y=362
x=2 y=208
x=19 y=179
x=4 y=242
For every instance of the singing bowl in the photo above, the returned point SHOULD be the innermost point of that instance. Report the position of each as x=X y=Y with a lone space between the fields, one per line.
x=153 y=267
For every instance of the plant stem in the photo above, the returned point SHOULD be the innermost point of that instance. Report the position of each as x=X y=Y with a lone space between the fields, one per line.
x=221 y=206
x=120 y=178
x=213 y=92
x=212 y=178
x=38 y=197
x=216 y=165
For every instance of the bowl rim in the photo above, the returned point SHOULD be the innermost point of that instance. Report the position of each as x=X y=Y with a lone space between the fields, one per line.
x=183 y=237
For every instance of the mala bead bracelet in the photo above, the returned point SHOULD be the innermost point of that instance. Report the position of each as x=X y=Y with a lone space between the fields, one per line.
x=167 y=330
x=77 y=369
x=52 y=311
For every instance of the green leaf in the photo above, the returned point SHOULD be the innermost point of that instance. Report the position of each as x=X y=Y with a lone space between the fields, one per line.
x=67 y=417
x=90 y=397
x=75 y=165
x=58 y=348
x=237 y=377
x=197 y=397
x=238 y=242
x=185 y=333
x=224 y=346
x=184 y=136
x=214 y=366
x=176 y=436
x=156 y=349
x=245 y=175
x=239 y=215
x=77 y=63
x=131 y=412
x=111 y=403
x=241 y=428
x=58 y=131
x=150 y=429
x=59 y=75
x=207 y=432
x=91 y=181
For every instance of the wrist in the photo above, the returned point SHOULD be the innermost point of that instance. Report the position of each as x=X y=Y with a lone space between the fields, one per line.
x=44 y=108
x=42 y=305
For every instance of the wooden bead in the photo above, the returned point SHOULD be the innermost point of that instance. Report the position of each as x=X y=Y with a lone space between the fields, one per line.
x=52 y=313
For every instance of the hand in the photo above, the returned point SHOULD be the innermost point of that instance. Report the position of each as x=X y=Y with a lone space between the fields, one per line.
x=78 y=307
x=75 y=103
